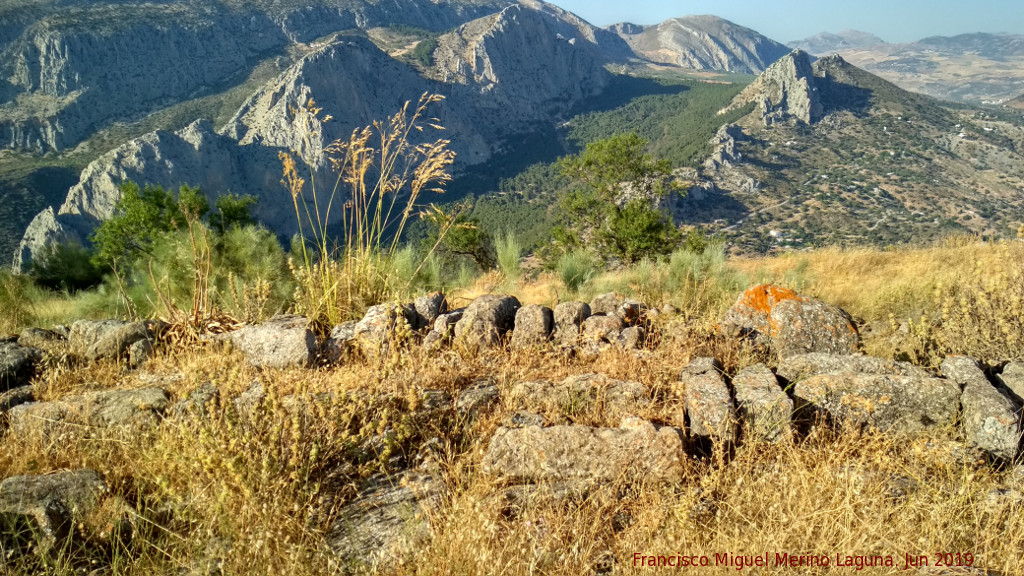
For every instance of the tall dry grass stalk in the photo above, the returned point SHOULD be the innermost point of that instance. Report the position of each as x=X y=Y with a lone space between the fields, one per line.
x=382 y=173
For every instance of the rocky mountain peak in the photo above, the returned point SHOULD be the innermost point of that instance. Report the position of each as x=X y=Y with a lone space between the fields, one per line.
x=786 y=90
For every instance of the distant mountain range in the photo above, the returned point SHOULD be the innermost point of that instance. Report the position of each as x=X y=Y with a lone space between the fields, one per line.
x=827 y=42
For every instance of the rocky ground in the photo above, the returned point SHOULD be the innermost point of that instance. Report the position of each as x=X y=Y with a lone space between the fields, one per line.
x=501 y=438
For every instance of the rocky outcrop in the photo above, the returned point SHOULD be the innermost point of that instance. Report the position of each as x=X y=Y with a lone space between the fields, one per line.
x=786 y=90
x=703 y=43
x=582 y=394
x=45 y=508
x=991 y=420
x=486 y=321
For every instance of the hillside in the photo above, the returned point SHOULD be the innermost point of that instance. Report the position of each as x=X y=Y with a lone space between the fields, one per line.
x=827 y=42
x=834 y=154
x=703 y=43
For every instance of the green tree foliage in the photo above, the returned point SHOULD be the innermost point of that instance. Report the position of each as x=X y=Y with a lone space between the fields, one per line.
x=69 y=268
x=592 y=213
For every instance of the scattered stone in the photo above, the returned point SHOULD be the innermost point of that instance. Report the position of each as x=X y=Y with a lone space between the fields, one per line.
x=444 y=330
x=1012 y=377
x=340 y=343
x=48 y=341
x=284 y=341
x=15 y=397
x=389 y=519
x=990 y=419
x=708 y=404
x=140 y=408
x=476 y=399
x=379 y=328
x=523 y=419
x=139 y=352
x=433 y=402
x=569 y=318
x=637 y=451
x=248 y=401
x=900 y=403
x=582 y=394
x=791 y=324
x=487 y=320
x=800 y=366
x=631 y=312
x=196 y=405
x=764 y=408
x=106 y=339
x=42 y=510
x=606 y=304
x=631 y=338
x=428 y=308
x=17 y=365
x=602 y=329
x=533 y=326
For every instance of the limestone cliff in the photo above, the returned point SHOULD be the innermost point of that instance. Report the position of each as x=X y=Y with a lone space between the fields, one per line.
x=787 y=89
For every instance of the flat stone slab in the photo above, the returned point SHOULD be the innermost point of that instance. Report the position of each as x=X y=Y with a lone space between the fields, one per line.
x=637 y=451
x=106 y=409
x=764 y=409
x=990 y=419
x=886 y=402
x=281 y=342
x=581 y=394
x=43 y=508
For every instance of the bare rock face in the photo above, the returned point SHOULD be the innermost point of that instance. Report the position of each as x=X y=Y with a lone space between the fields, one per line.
x=17 y=365
x=791 y=324
x=800 y=366
x=637 y=451
x=139 y=408
x=709 y=405
x=533 y=326
x=763 y=407
x=282 y=342
x=990 y=420
x=106 y=339
x=486 y=320
x=905 y=404
x=46 y=507
x=786 y=90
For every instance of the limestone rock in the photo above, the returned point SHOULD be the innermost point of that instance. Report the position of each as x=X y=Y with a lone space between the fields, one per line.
x=533 y=326
x=140 y=408
x=763 y=407
x=785 y=90
x=46 y=506
x=990 y=419
x=709 y=406
x=17 y=365
x=283 y=341
x=906 y=404
x=800 y=366
x=637 y=451
x=582 y=394
x=791 y=324
x=486 y=320
x=569 y=318
x=106 y=339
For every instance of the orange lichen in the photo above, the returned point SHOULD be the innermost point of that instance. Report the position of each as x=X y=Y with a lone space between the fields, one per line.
x=764 y=297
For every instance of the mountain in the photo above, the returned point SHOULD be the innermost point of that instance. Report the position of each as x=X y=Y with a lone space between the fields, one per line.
x=827 y=42
x=502 y=74
x=1017 y=102
x=971 y=68
x=703 y=43
x=832 y=154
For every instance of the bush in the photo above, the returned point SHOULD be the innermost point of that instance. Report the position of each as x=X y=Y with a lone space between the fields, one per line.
x=16 y=296
x=509 y=250
x=69 y=268
x=575 y=268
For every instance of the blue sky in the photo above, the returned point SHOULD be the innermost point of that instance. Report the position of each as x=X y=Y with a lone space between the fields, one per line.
x=785 y=20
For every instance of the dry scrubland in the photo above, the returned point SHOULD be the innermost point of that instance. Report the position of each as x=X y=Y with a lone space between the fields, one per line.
x=256 y=494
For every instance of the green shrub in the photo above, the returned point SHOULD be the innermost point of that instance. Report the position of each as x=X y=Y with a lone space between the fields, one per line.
x=16 y=302
x=509 y=250
x=575 y=268
x=68 y=268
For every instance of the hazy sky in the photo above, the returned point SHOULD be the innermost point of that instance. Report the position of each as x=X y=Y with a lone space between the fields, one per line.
x=785 y=20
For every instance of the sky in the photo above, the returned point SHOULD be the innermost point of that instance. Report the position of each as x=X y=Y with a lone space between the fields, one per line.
x=786 y=20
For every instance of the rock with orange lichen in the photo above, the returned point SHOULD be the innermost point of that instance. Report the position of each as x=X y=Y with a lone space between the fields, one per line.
x=790 y=323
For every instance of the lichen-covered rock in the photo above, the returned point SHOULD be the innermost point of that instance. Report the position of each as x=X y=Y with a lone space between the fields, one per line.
x=569 y=318
x=443 y=331
x=197 y=404
x=380 y=328
x=990 y=420
x=428 y=308
x=476 y=399
x=49 y=341
x=106 y=339
x=631 y=312
x=637 y=451
x=708 y=403
x=907 y=404
x=139 y=352
x=486 y=321
x=1012 y=377
x=17 y=365
x=340 y=342
x=791 y=324
x=140 y=408
x=582 y=394
x=799 y=366
x=764 y=409
x=602 y=329
x=45 y=508
x=631 y=338
x=283 y=341
x=533 y=326
x=606 y=304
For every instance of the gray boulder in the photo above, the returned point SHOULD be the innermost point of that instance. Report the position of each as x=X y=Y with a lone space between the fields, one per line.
x=582 y=394
x=800 y=366
x=428 y=308
x=533 y=326
x=569 y=318
x=607 y=304
x=340 y=342
x=42 y=510
x=1012 y=378
x=603 y=329
x=15 y=397
x=197 y=404
x=791 y=324
x=17 y=365
x=486 y=320
x=631 y=312
x=49 y=341
x=379 y=328
x=637 y=451
x=106 y=339
x=139 y=408
x=764 y=409
x=283 y=341
x=475 y=400
x=990 y=419
x=908 y=404
x=443 y=331
x=708 y=403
